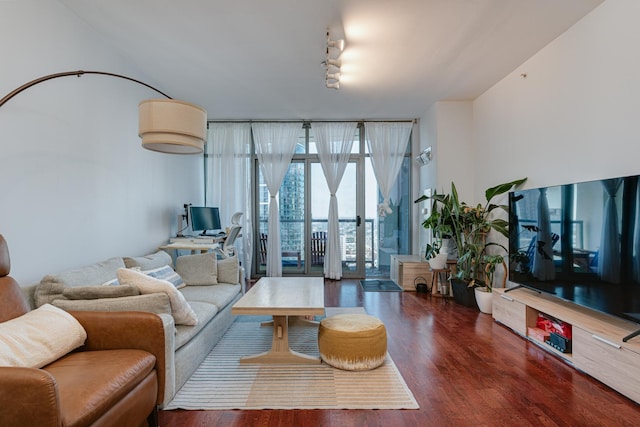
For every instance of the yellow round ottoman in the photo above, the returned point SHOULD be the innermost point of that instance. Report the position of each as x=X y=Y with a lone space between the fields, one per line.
x=353 y=342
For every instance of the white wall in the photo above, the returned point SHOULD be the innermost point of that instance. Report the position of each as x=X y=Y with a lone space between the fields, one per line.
x=575 y=115
x=447 y=128
x=571 y=117
x=75 y=185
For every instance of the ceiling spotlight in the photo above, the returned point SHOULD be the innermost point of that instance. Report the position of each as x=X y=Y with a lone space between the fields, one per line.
x=333 y=76
x=333 y=85
x=337 y=44
x=333 y=62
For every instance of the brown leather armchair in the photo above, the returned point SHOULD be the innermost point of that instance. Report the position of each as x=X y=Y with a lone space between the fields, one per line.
x=115 y=379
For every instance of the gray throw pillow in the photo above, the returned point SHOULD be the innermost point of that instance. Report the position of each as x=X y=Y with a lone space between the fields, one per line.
x=198 y=269
x=228 y=270
x=154 y=303
x=52 y=286
x=149 y=262
x=96 y=292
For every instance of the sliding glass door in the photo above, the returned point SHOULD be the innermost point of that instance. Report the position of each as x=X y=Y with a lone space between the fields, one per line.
x=367 y=239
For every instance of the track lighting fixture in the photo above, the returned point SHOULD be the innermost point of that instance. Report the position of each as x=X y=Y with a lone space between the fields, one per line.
x=332 y=64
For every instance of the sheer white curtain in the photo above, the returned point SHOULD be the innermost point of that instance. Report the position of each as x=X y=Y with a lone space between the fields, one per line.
x=334 y=141
x=609 y=256
x=275 y=144
x=228 y=175
x=387 y=144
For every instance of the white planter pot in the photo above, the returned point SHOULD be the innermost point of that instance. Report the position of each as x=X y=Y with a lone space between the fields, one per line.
x=484 y=298
x=439 y=261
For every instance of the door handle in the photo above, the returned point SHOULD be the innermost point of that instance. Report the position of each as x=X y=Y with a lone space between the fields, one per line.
x=358 y=220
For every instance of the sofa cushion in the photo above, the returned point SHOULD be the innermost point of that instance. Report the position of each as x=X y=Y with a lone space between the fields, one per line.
x=154 y=303
x=198 y=269
x=182 y=313
x=228 y=270
x=90 y=383
x=52 y=286
x=39 y=337
x=149 y=262
x=167 y=273
x=95 y=292
x=219 y=295
x=205 y=313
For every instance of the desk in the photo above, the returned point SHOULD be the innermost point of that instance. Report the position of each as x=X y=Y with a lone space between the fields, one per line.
x=193 y=247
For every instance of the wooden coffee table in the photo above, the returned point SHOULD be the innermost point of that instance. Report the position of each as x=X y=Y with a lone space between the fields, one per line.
x=282 y=297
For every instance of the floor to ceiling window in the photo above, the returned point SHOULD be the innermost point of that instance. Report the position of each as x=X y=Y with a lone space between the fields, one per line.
x=367 y=240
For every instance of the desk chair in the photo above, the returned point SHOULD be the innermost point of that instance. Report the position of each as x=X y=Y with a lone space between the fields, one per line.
x=235 y=218
x=228 y=248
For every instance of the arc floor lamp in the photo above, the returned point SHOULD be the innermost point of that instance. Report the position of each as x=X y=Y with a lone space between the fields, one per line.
x=164 y=125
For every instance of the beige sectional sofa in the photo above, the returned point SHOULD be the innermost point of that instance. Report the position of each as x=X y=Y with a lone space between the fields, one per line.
x=207 y=286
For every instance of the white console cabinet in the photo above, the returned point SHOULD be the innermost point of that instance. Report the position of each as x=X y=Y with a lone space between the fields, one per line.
x=597 y=347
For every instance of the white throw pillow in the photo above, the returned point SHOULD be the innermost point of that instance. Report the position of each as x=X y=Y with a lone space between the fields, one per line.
x=39 y=337
x=182 y=312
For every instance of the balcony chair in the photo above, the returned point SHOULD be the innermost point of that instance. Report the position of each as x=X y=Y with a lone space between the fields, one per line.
x=285 y=254
x=318 y=245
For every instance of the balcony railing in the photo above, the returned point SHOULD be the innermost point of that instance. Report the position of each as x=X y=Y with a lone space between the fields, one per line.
x=292 y=237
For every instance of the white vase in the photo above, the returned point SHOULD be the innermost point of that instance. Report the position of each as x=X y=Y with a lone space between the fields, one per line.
x=484 y=298
x=439 y=261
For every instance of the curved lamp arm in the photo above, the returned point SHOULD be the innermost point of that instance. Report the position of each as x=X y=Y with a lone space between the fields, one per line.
x=164 y=125
x=78 y=73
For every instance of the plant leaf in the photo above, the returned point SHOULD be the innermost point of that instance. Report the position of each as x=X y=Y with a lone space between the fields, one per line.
x=502 y=188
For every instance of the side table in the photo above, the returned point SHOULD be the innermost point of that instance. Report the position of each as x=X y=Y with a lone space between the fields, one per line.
x=440 y=283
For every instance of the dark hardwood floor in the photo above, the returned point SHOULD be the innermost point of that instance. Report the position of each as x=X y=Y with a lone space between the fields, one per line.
x=463 y=369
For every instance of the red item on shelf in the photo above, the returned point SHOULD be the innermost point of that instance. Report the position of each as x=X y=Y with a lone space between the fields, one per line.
x=553 y=325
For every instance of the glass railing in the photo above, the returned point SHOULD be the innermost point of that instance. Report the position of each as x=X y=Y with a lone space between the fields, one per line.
x=292 y=239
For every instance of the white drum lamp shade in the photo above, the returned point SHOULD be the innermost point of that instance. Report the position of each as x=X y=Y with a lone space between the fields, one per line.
x=171 y=126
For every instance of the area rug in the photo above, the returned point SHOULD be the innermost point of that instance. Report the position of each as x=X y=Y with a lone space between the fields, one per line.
x=380 y=286
x=222 y=383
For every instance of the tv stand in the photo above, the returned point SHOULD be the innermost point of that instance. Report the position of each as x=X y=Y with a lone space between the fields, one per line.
x=601 y=345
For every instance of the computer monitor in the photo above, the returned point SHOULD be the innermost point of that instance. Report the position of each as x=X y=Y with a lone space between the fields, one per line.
x=203 y=219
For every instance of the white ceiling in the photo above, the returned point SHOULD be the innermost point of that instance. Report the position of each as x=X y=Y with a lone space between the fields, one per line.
x=260 y=59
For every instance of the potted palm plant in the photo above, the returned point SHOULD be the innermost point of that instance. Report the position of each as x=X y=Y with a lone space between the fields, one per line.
x=470 y=226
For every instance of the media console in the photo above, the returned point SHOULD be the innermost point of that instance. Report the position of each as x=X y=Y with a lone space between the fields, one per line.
x=596 y=346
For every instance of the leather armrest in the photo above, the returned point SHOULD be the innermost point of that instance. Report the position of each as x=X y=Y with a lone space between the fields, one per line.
x=126 y=329
x=29 y=398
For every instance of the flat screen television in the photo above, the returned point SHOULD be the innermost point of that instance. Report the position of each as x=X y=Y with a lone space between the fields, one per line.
x=204 y=219
x=579 y=242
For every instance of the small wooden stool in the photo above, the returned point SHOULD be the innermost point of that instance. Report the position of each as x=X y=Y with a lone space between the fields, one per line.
x=437 y=282
x=353 y=342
